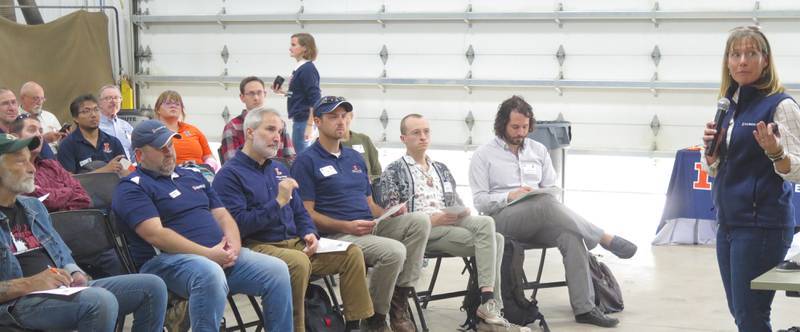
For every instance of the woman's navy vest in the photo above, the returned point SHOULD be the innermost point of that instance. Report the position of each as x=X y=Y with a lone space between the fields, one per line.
x=747 y=191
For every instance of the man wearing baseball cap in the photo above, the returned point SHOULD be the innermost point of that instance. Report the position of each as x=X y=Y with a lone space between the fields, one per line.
x=336 y=192
x=40 y=260
x=179 y=231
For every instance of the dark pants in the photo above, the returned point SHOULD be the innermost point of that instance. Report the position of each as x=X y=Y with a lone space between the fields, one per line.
x=103 y=265
x=744 y=253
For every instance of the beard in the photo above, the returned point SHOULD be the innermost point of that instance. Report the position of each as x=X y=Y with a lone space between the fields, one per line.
x=262 y=147
x=17 y=185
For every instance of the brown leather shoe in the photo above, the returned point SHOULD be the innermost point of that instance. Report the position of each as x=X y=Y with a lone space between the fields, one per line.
x=399 y=319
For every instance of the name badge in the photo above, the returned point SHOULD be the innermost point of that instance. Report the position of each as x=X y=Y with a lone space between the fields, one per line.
x=175 y=193
x=85 y=161
x=448 y=187
x=529 y=168
x=359 y=148
x=327 y=171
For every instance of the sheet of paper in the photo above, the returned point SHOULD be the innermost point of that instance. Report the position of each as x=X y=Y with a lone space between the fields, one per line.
x=331 y=245
x=389 y=212
x=555 y=191
x=44 y=197
x=454 y=209
x=64 y=291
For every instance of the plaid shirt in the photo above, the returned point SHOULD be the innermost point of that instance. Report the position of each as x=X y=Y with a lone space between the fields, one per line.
x=233 y=139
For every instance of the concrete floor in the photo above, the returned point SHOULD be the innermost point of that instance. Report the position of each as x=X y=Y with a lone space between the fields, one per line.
x=669 y=288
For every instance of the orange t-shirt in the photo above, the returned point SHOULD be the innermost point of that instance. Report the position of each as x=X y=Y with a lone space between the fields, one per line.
x=192 y=145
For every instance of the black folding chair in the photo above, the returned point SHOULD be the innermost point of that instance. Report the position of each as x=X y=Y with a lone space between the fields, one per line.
x=87 y=233
x=100 y=187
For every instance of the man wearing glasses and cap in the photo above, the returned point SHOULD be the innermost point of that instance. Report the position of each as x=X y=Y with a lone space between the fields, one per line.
x=336 y=192
x=179 y=231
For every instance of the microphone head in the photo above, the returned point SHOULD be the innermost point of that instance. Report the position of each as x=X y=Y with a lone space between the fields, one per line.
x=723 y=104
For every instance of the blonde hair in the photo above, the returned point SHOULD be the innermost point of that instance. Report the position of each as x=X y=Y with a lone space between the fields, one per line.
x=768 y=83
x=169 y=95
x=307 y=40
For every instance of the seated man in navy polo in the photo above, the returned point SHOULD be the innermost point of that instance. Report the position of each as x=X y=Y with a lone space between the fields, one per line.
x=336 y=191
x=89 y=149
x=179 y=231
x=265 y=203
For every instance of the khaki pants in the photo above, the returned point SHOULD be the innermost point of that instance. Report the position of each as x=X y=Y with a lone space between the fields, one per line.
x=395 y=254
x=473 y=236
x=349 y=264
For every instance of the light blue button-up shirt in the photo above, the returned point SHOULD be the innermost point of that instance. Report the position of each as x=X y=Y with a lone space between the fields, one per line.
x=120 y=129
x=495 y=171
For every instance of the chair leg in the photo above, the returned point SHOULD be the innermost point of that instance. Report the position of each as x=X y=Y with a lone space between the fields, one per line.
x=429 y=292
x=539 y=273
x=329 y=284
x=257 y=309
x=421 y=315
x=236 y=315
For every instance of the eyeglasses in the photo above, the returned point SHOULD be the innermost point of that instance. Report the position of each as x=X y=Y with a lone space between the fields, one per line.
x=331 y=99
x=259 y=93
x=38 y=99
x=110 y=98
x=89 y=110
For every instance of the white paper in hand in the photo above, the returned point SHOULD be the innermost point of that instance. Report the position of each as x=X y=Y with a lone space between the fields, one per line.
x=555 y=191
x=44 y=197
x=64 y=291
x=330 y=245
x=389 y=212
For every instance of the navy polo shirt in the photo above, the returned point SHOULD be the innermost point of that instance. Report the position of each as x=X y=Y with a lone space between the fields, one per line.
x=75 y=152
x=183 y=201
x=248 y=191
x=339 y=186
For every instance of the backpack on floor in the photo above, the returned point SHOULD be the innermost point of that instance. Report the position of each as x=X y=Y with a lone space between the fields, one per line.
x=607 y=293
x=517 y=308
x=320 y=315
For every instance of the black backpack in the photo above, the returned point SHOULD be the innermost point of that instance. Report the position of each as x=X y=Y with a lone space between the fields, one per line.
x=517 y=308
x=320 y=316
x=607 y=293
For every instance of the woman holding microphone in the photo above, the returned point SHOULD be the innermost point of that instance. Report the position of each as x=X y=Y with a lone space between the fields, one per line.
x=755 y=156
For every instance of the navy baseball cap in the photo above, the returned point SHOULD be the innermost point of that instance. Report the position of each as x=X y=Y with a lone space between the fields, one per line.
x=329 y=103
x=152 y=133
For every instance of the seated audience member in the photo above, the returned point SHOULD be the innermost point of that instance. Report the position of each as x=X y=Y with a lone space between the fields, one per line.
x=178 y=230
x=8 y=109
x=192 y=146
x=265 y=203
x=35 y=258
x=63 y=193
x=110 y=122
x=512 y=165
x=428 y=186
x=252 y=94
x=89 y=149
x=363 y=145
x=337 y=194
x=31 y=96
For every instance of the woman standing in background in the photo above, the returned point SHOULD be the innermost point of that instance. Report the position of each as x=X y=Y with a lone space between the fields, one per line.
x=303 y=88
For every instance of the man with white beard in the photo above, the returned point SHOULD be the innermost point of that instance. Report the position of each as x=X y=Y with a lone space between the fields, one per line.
x=272 y=220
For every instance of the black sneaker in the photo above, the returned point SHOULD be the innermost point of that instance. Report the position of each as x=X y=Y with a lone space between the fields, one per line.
x=621 y=248
x=595 y=317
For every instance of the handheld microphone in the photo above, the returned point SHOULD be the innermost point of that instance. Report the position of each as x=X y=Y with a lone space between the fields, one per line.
x=722 y=107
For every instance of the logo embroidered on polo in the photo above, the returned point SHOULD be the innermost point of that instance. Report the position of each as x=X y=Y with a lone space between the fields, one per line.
x=357 y=169
x=197 y=187
x=107 y=147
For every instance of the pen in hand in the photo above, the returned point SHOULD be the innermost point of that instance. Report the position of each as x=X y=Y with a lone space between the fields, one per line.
x=54 y=270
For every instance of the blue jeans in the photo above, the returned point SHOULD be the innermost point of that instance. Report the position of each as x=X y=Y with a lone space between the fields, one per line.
x=298 y=135
x=97 y=308
x=207 y=285
x=744 y=253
